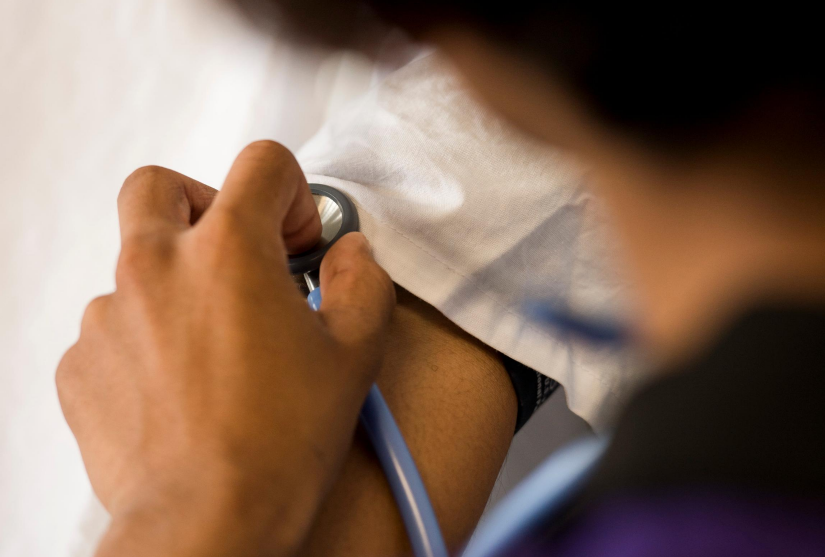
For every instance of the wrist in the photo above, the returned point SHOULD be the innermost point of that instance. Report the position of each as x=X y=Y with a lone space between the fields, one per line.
x=211 y=517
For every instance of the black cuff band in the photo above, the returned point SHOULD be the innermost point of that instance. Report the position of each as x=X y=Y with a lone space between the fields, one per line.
x=532 y=388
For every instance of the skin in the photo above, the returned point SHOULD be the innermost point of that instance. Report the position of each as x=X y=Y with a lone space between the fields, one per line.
x=704 y=235
x=456 y=408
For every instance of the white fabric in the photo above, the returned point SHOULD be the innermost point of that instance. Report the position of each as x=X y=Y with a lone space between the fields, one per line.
x=476 y=219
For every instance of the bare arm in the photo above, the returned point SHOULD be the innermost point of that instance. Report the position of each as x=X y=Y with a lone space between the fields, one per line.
x=457 y=410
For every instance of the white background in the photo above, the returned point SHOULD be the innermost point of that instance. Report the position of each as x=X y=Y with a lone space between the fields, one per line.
x=89 y=91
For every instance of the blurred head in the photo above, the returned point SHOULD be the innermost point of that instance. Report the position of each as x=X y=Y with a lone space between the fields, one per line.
x=705 y=129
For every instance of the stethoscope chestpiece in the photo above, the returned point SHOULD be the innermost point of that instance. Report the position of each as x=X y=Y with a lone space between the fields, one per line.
x=338 y=217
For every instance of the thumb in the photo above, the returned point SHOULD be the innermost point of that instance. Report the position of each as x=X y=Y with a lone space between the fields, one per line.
x=358 y=296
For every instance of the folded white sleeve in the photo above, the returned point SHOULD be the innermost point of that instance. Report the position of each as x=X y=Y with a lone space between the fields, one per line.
x=477 y=220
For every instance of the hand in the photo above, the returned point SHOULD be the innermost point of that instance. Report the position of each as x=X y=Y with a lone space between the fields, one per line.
x=211 y=406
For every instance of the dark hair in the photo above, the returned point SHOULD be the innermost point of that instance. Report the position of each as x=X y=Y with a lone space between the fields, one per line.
x=677 y=74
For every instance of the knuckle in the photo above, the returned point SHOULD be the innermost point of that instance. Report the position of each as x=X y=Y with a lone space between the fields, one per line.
x=140 y=177
x=66 y=375
x=224 y=241
x=139 y=259
x=384 y=283
x=227 y=222
x=341 y=269
x=228 y=231
x=146 y=174
x=352 y=263
x=267 y=152
x=95 y=314
x=378 y=276
x=131 y=261
x=266 y=148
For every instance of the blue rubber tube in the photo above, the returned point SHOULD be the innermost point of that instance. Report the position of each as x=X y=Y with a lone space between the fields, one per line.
x=400 y=469
x=539 y=498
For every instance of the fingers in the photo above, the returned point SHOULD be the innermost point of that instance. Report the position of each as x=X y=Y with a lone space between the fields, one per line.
x=267 y=190
x=358 y=295
x=157 y=200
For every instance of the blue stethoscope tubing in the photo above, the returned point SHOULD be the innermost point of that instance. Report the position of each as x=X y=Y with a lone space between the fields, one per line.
x=400 y=469
x=402 y=473
x=537 y=499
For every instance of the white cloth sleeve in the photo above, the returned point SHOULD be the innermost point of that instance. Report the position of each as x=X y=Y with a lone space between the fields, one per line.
x=477 y=220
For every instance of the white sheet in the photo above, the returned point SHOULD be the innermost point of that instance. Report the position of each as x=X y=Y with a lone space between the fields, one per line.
x=89 y=91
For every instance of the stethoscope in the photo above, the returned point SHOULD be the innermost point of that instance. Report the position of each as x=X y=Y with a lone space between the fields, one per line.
x=535 y=501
